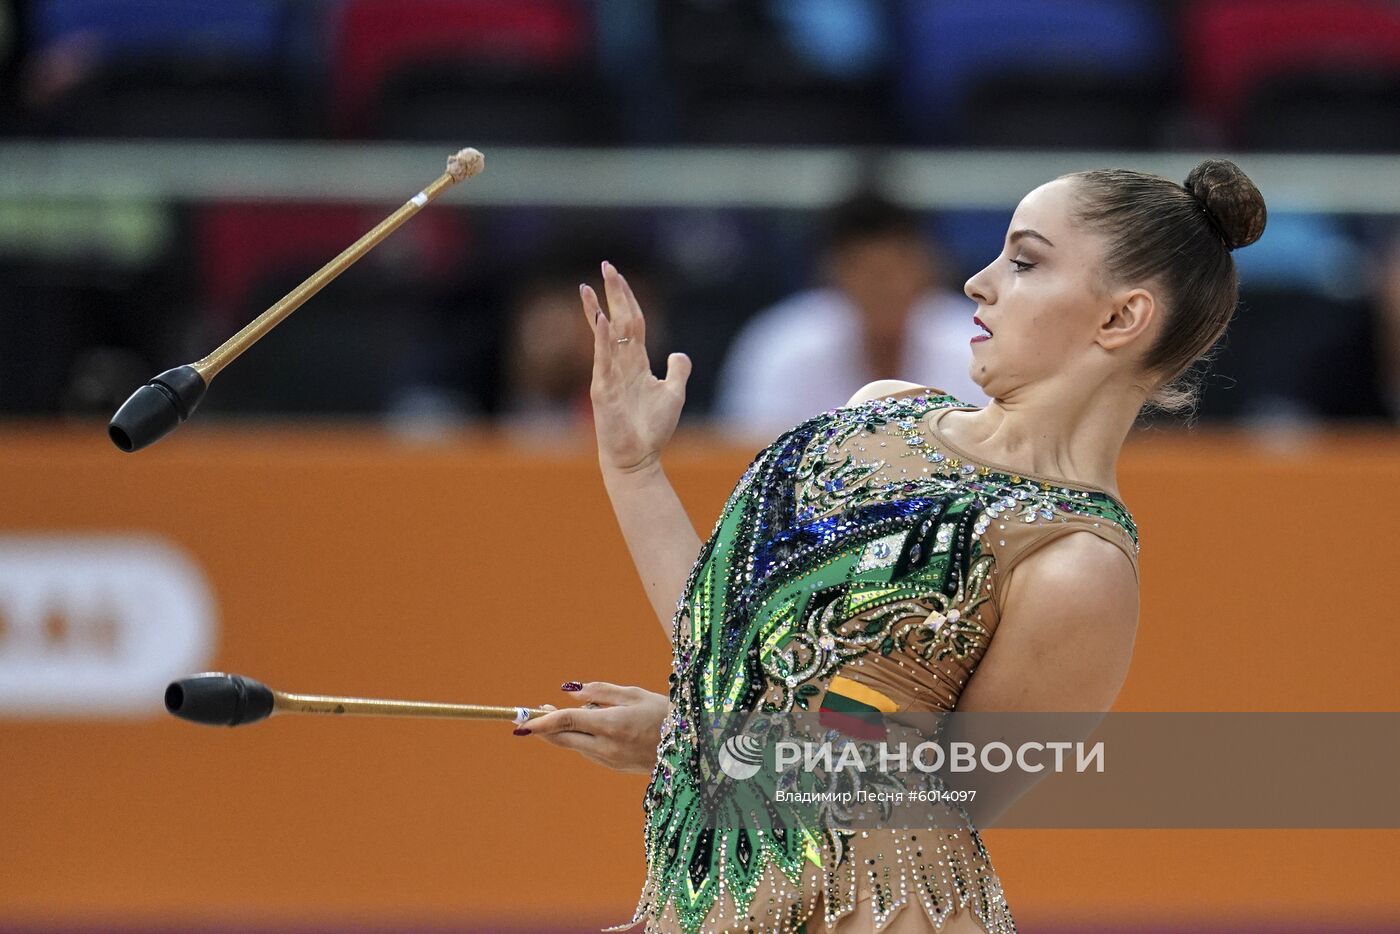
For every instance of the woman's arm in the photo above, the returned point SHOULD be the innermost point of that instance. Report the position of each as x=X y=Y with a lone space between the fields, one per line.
x=660 y=538
x=1063 y=644
x=634 y=416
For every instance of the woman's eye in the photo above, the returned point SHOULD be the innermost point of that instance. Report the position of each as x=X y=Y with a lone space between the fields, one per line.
x=1021 y=266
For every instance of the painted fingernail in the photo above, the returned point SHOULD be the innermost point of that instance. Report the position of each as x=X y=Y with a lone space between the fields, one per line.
x=521 y=732
x=571 y=686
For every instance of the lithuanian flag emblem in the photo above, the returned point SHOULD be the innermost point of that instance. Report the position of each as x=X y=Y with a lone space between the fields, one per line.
x=854 y=709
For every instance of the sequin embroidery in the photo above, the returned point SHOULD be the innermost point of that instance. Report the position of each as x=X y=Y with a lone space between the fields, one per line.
x=851 y=537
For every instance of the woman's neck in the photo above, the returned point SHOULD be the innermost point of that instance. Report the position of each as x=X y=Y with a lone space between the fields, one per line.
x=1052 y=431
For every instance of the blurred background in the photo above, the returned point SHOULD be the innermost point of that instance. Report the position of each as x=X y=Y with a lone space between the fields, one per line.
x=395 y=492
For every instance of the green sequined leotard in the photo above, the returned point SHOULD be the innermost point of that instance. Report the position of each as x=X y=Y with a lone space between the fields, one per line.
x=859 y=544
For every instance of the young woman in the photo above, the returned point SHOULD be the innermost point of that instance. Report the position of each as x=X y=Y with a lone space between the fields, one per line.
x=907 y=552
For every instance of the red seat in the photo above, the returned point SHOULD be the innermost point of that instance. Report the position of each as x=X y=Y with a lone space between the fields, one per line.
x=242 y=246
x=1233 y=46
x=376 y=38
x=356 y=343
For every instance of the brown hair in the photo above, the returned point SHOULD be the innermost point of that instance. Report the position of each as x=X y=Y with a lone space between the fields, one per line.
x=1181 y=236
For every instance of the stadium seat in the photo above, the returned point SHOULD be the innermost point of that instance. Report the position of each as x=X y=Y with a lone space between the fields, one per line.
x=241 y=244
x=166 y=68
x=1324 y=110
x=340 y=353
x=508 y=71
x=759 y=74
x=1064 y=110
x=1295 y=74
x=1033 y=72
x=250 y=28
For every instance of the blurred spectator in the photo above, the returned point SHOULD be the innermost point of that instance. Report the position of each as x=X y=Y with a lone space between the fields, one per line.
x=882 y=315
x=547 y=363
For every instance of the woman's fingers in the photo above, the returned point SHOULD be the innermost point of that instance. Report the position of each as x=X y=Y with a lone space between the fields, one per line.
x=590 y=746
x=619 y=312
x=677 y=370
x=576 y=728
x=623 y=309
x=634 y=307
x=607 y=694
x=568 y=720
x=616 y=728
x=602 y=336
x=591 y=309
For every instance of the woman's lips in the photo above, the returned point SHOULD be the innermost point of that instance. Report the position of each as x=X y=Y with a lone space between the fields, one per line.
x=980 y=337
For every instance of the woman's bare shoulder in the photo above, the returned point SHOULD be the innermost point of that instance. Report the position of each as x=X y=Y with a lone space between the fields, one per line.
x=886 y=387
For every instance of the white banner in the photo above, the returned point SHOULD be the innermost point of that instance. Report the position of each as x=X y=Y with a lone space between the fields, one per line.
x=97 y=625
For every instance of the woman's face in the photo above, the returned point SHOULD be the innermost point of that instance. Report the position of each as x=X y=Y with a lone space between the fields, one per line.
x=1043 y=299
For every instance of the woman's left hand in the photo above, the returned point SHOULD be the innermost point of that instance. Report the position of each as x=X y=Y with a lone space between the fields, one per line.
x=619 y=727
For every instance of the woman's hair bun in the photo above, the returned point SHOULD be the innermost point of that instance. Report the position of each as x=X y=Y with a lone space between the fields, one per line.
x=1234 y=206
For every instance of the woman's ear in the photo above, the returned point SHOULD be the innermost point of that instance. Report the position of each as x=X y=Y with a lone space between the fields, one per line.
x=1131 y=316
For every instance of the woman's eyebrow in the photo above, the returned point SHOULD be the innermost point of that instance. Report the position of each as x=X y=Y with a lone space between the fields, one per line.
x=1027 y=232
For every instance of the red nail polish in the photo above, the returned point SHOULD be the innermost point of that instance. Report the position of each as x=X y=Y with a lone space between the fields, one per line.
x=571 y=686
x=521 y=732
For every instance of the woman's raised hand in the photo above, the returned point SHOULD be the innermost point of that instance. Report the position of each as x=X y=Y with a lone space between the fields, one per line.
x=634 y=413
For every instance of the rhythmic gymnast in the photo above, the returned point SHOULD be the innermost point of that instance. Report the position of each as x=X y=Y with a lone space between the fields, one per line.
x=984 y=559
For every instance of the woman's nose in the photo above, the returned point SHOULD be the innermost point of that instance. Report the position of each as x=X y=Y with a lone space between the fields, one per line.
x=977 y=289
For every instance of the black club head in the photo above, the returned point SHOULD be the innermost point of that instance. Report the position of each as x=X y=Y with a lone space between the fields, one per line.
x=219 y=699
x=157 y=408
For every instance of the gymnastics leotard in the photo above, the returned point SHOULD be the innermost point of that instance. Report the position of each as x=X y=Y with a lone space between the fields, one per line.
x=860 y=562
